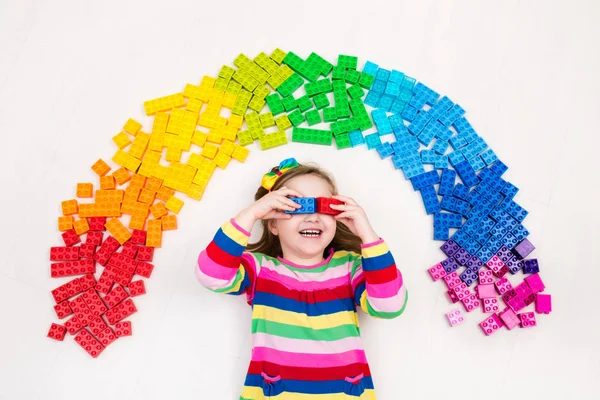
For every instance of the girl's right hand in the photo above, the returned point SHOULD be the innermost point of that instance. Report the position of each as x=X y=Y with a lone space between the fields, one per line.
x=273 y=204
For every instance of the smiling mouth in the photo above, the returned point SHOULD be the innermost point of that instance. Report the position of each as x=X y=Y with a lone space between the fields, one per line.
x=310 y=233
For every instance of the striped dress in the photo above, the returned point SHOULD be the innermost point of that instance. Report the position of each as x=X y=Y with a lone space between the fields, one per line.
x=306 y=336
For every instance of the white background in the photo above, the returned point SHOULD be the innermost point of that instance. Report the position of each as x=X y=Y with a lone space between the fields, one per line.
x=72 y=72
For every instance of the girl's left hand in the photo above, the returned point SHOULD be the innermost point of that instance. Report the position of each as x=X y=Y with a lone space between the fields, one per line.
x=355 y=218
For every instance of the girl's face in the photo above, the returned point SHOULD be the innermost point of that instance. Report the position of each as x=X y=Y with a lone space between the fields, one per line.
x=297 y=244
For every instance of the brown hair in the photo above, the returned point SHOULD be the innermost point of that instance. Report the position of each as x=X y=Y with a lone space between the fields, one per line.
x=269 y=243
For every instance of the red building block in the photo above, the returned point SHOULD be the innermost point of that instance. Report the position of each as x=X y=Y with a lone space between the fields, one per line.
x=106 y=337
x=129 y=250
x=86 y=282
x=108 y=247
x=64 y=253
x=97 y=325
x=57 y=332
x=81 y=310
x=70 y=237
x=67 y=290
x=122 y=262
x=89 y=343
x=138 y=237
x=106 y=281
x=70 y=268
x=122 y=311
x=63 y=309
x=116 y=295
x=122 y=277
x=94 y=237
x=137 y=288
x=123 y=328
x=144 y=269
x=87 y=250
x=73 y=325
x=323 y=205
x=145 y=253
x=94 y=302
x=97 y=223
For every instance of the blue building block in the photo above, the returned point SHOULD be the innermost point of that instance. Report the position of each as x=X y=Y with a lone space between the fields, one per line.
x=413 y=169
x=447 y=182
x=452 y=115
x=370 y=68
x=472 y=246
x=498 y=168
x=440 y=146
x=392 y=89
x=396 y=76
x=405 y=95
x=308 y=205
x=373 y=140
x=441 y=233
x=381 y=121
x=484 y=254
x=461 y=238
x=385 y=150
x=429 y=156
x=382 y=74
x=356 y=138
x=489 y=157
x=427 y=179
x=477 y=163
x=441 y=163
x=396 y=122
x=457 y=142
x=515 y=210
x=462 y=125
x=398 y=106
x=439 y=108
x=430 y=199
x=419 y=122
x=408 y=82
x=520 y=232
x=466 y=173
x=378 y=86
x=509 y=190
x=510 y=240
x=461 y=191
x=385 y=102
x=456 y=157
x=449 y=220
x=372 y=99
x=409 y=112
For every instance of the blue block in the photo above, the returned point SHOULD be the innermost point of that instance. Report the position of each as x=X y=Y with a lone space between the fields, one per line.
x=441 y=107
x=509 y=190
x=373 y=140
x=356 y=138
x=385 y=150
x=466 y=173
x=452 y=115
x=461 y=238
x=385 y=102
x=462 y=125
x=455 y=157
x=498 y=168
x=408 y=82
x=419 y=122
x=396 y=76
x=461 y=191
x=429 y=156
x=448 y=220
x=398 y=106
x=440 y=146
x=477 y=163
x=441 y=163
x=378 y=86
x=484 y=254
x=418 y=101
x=489 y=157
x=520 y=232
x=409 y=112
x=510 y=240
x=430 y=199
x=427 y=179
x=392 y=89
x=472 y=246
x=372 y=99
x=457 y=142
x=370 y=68
x=447 y=182
x=441 y=233
x=395 y=122
x=405 y=95
x=382 y=74
x=413 y=169
x=308 y=205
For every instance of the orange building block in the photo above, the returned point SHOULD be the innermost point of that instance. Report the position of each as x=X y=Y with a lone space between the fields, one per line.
x=137 y=181
x=107 y=182
x=122 y=176
x=81 y=226
x=147 y=196
x=65 y=223
x=101 y=168
x=69 y=207
x=137 y=222
x=118 y=230
x=169 y=222
x=154 y=233
x=85 y=190
x=165 y=193
x=158 y=210
x=153 y=184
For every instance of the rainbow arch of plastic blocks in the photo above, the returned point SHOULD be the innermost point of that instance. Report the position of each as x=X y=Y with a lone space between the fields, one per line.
x=112 y=227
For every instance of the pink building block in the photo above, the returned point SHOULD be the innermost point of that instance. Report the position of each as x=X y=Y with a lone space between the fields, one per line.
x=461 y=290
x=486 y=291
x=491 y=324
x=503 y=285
x=485 y=276
x=452 y=280
x=455 y=317
x=497 y=266
x=437 y=271
x=453 y=297
x=470 y=302
x=535 y=283
x=527 y=320
x=543 y=304
x=490 y=305
x=510 y=318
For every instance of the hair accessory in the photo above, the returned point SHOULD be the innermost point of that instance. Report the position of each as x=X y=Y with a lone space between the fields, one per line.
x=270 y=178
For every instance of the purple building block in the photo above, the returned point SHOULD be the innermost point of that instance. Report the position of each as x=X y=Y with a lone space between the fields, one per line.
x=535 y=283
x=531 y=266
x=450 y=247
x=510 y=318
x=524 y=248
x=543 y=304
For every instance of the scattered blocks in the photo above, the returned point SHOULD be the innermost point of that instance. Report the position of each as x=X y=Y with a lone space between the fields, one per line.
x=455 y=317
x=57 y=332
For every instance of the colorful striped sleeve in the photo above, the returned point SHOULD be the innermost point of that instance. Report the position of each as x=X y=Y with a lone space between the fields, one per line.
x=223 y=266
x=377 y=282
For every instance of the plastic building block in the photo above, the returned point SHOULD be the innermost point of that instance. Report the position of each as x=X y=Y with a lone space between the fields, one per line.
x=535 y=283
x=90 y=344
x=138 y=237
x=73 y=325
x=451 y=280
x=531 y=266
x=115 y=296
x=449 y=248
x=136 y=288
x=63 y=309
x=101 y=168
x=543 y=304
x=490 y=305
x=470 y=302
x=437 y=271
x=503 y=285
x=64 y=253
x=66 y=290
x=70 y=268
x=81 y=226
x=106 y=336
x=491 y=324
x=426 y=179
x=323 y=206
x=85 y=190
x=527 y=320
x=510 y=318
x=169 y=222
x=57 y=332
x=314 y=136
x=461 y=290
x=94 y=302
x=106 y=281
x=81 y=310
x=485 y=277
x=455 y=317
x=97 y=325
x=118 y=230
x=121 y=311
x=70 y=237
x=430 y=200
x=97 y=223
x=447 y=182
x=145 y=253
x=486 y=291
x=308 y=205
x=65 y=223
x=523 y=249
x=144 y=269
x=450 y=265
x=154 y=233
x=123 y=328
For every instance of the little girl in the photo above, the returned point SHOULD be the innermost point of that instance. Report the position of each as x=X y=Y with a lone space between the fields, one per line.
x=304 y=279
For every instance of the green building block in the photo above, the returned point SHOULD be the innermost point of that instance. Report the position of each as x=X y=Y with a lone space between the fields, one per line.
x=313 y=117
x=320 y=86
x=366 y=80
x=352 y=76
x=324 y=66
x=290 y=85
x=304 y=103
x=283 y=122
x=356 y=92
x=321 y=101
x=329 y=114
x=308 y=70
x=289 y=103
x=338 y=73
x=296 y=117
x=275 y=104
x=268 y=141
x=226 y=72
x=361 y=116
x=313 y=136
x=343 y=141
x=245 y=138
x=347 y=62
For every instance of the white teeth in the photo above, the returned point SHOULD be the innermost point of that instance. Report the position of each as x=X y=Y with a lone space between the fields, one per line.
x=310 y=233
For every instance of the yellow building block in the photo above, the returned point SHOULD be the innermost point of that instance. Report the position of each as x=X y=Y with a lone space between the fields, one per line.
x=261 y=92
x=192 y=91
x=195 y=160
x=278 y=55
x=195 y=191
x=153 y=184
x=65 y=223
x=174 y=204
x=146 y=169
x=81 y=226
x=179 y=176
x=199 y=138
x=137 y=181
x=240 y=153
x=205 y=173
x=161 y=120
x=229 y=133
x=222 y=159
x=164 y=103
x=137 y=222
x=173 y=154
x=273 y=140
x=207 y=81
x=139 y=146
x=69 y=207
x=169 y=222
x=85 y=190
x=194 y=105
x=126 y=160
x=160 y=171
x=154 y=233
x=147 y=196
x=121 y=176
x=132 y=127
x=227 y=147
x=118 y=230
x=101 y=168
x=121 y=140
x=235 y=121
x=229 y=100
x=214 y=137
x=107 y=182
x=164 y=193
x=283 y=122
x=267 y=120
x=158 y=210
x=209 y=151
x=152 y=156
x=156 y=141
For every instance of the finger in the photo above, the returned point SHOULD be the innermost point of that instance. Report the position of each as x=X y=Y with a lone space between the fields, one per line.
x=288 y=204
x=274 y=214
x=288 y=192
x=345 y=199
x=344 y=215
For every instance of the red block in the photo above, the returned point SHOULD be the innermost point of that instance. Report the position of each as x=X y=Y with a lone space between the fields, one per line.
x=64 y=253
x=123 y=328
x=97 y=325
x=87 y=281
x=116 y=295
x=138 y=237
x=145 y=253
x=129 y=250
x=122 y=262
x=67 y=290
x=63 y=309
x=109 y=246
x=73 y=325
x=87 y=250
x=106 y=337
x=70 y=268
x=122 y=277
x=94 y=302
x=70 y=237
x=106 y=281
x=122 y=311
x=57 y=332
x=144 y=269
x=89 y=343
x=94 y=237
x=136 y=288
x=81 y=310
x=323 y=205
x=97 y=223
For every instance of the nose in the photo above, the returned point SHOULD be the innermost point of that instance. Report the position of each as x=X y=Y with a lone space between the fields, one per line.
x=311 y=217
